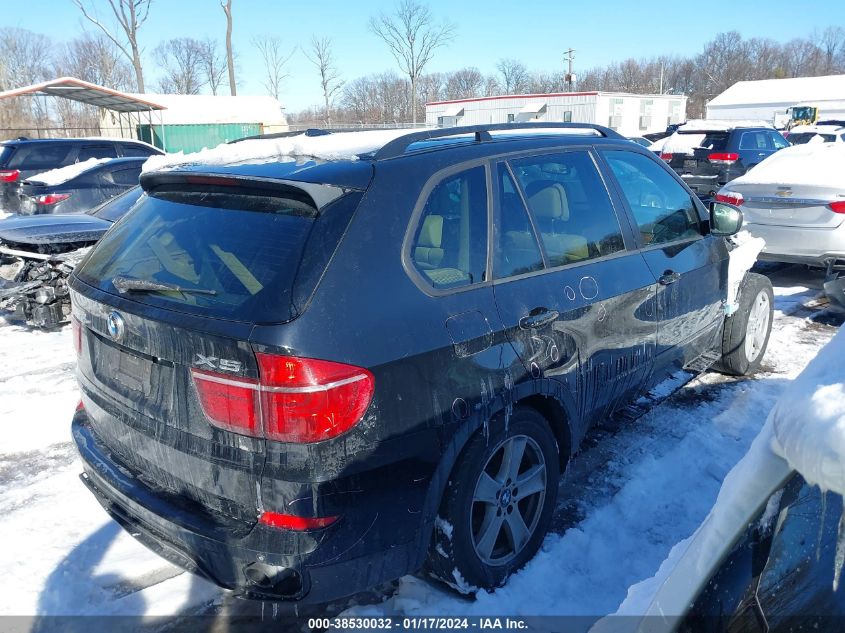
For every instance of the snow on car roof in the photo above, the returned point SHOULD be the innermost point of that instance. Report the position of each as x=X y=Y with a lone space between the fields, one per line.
x=820 y=164
x=681 y=143
x=63 y=174
x=339 y=146
x=714 y=125
x=816 y=129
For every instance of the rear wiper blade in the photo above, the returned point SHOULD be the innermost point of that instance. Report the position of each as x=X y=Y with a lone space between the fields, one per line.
x=129 y=284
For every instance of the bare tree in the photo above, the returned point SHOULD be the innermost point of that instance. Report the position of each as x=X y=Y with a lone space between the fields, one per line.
x=213 y=65
x=275 y=61
x=24 y=59
x=226 y=5
x=412 y=36
x=130 y=16
x=464 y=84
x=515 y=75
x=181 y=60
x=95 y=58
x=322 y=57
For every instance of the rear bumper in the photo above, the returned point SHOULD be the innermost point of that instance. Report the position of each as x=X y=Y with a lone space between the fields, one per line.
x=800 y=245
x=257 y=562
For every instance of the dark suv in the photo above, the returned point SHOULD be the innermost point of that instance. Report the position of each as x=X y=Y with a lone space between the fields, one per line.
x=719 y=156
x=23 y=157
x=302 y=378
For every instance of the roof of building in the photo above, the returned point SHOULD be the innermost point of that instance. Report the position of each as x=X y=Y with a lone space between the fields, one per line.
x=794 y=90
x=85 y=92
x=200 y=109
x=552 y=95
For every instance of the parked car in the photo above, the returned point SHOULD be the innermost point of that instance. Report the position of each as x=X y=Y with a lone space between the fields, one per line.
x=708 y=154
x=25 y=157
x=639 y=140
x=669 y=131
x=37 y=253
x=304 y=377
x=825 y=133
x=796 y=202
x=78 y=187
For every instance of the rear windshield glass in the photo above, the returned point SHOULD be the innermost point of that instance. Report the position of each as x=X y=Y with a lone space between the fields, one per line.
x=40 y=156
x=115 y=208
x=231 y=253
x=715 y=141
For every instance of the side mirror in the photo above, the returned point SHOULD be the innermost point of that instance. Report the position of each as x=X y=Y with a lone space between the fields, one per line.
x=725 y=219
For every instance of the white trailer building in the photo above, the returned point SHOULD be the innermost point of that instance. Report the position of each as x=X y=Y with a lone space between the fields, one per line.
x=768 y=99
x=630 y=114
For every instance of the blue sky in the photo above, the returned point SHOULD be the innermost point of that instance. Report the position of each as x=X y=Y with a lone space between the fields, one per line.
x=534 y=31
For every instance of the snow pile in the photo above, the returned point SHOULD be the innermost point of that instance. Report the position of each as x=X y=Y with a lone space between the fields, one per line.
x=340 y=146
x=715 y=125
x=815 y=164
x=742 y=258
x=682 y=143
x=809 y=420
x=63 y=174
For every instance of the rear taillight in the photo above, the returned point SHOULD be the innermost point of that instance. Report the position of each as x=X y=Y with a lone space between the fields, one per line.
x=837 y=207
x=290 y=522
x=723 y=158
x=666 y=156
x=9 y=175
x=51 y=198
x=76 y=333
x=295 y=399
x=730 y=197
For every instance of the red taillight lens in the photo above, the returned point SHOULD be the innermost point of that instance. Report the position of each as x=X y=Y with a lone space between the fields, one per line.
x=76 y=333
x=837 y=207
x=730 y=197
x=296 y=399
x=721 y=158
x=51 y=198
x=80 y=406
x=307 y=400
x=300 y=524
x=9 y=175
x=228 y=402
x=665 y=156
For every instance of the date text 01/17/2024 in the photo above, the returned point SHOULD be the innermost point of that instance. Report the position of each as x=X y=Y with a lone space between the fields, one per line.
x=418 y=623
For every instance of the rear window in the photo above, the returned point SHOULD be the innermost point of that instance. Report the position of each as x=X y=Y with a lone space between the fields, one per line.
x=115 y=208
x=715 y=141
x=232 y=253
x=42 y=156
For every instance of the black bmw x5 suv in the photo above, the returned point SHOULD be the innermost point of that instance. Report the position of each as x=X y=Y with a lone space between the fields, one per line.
x=303 y=377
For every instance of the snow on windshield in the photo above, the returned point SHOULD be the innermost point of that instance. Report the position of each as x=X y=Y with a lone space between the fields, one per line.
x=820 y=164
x=63 y=174
x=339 y=146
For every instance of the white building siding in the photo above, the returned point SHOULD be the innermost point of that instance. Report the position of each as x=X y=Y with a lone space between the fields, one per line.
x=633 y=115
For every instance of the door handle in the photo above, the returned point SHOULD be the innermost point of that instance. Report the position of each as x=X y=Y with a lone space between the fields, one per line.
x=669 y=277
x=539 y=319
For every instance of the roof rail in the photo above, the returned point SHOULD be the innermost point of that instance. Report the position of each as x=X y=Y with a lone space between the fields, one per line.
x=399 y=145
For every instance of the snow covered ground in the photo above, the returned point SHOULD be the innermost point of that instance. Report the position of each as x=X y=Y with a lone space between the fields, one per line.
x=635 y=490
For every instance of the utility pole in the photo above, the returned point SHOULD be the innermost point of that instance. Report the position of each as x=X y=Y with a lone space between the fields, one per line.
x=661 y=77
x=569 y=56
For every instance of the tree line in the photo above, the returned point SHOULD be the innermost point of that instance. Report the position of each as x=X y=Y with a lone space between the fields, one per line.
x=110 y=55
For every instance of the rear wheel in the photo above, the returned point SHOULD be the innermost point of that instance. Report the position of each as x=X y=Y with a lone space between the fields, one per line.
x=498 y=504
x=747 y=331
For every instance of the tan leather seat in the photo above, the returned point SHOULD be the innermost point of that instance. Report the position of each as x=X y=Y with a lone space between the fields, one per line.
x=550 y=206
x=428 y=252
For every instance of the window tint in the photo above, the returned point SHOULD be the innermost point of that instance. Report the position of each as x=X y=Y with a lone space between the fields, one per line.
x=96 y=151
x=778 y=142
x=755 y=140
x=715 y=141
x=517 y=250
x=115 y=208
x=662 y=208
x=42 y=156
x=450 y=243
x=136 y=150
x=570 y=206
x=123 y=177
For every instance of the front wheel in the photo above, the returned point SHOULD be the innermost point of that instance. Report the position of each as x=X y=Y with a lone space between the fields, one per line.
x=498 y=504
x=747 y=331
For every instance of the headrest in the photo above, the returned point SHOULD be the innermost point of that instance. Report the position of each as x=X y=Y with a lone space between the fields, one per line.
x=548 y=200
x=431 y=233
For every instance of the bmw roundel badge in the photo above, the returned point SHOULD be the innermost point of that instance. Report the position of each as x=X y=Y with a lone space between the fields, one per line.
x=116 y=326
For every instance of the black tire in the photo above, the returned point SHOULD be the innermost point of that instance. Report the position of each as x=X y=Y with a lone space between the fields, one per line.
x=738 y=357
x=454 y=557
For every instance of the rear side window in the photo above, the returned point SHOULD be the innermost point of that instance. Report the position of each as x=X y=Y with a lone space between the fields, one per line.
x=662 y=208
x=517 y=251
x=87 y=152
x=755 y=140
x=570 y=206
x=5 y=153
x=41 y=156
x=123 y=177
x=233 y=253
x=450 y=242
x=136 y=150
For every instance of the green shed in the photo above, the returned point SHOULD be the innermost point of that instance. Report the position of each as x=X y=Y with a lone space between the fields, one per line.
x=193 y=137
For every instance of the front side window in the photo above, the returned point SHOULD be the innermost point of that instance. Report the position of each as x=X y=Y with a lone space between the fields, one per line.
x=662 y=208
x=96 y=151
x=450 y=243
x=570 y=206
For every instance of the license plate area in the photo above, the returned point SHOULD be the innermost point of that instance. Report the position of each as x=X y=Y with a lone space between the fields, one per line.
x=137 y=378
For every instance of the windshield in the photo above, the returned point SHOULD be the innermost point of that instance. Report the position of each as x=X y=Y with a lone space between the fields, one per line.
x=242 y=245
x=114 y=209
x=803 y=112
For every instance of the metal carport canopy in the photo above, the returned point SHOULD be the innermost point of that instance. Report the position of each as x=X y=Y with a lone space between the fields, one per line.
x=84 y=92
